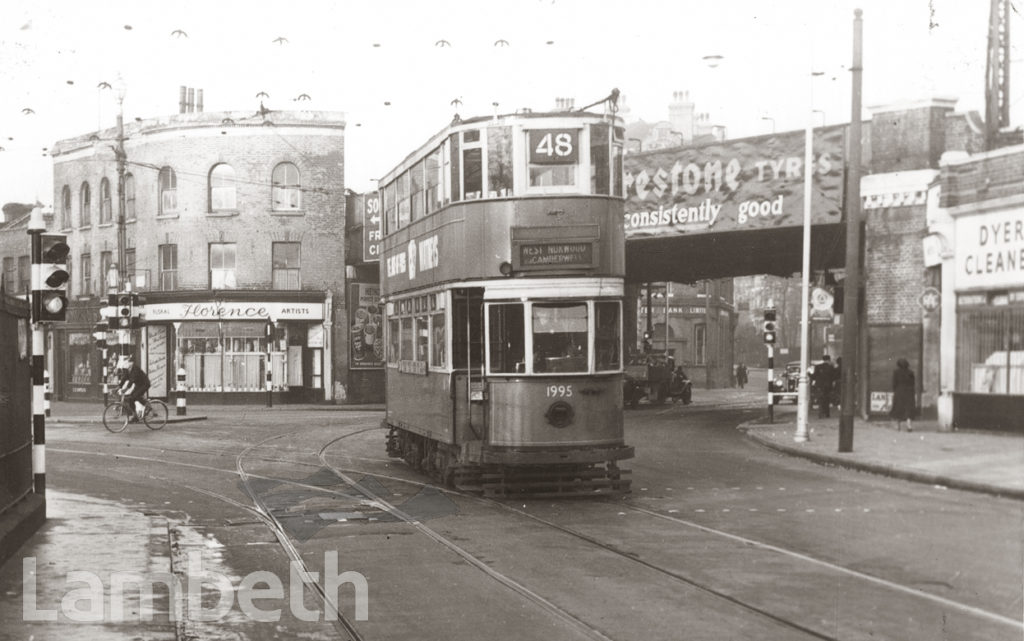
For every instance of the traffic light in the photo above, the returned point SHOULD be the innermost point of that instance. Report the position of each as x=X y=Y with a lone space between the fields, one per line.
x=769 y=327
x=50 y=302
x=122 y=318
x=136 y=309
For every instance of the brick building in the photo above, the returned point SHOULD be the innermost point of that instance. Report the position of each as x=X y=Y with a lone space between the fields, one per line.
x=234 y=236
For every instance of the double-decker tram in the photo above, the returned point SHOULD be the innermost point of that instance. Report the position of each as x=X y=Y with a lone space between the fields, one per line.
x=502 y=281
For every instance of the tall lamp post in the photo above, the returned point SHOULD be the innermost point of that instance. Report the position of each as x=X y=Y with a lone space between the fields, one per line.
x=803 y=388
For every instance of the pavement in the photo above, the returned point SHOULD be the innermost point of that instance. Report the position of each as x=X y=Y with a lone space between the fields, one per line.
x=80 y=530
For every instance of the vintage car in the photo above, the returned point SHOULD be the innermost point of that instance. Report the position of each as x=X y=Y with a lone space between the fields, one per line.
x=784 y=387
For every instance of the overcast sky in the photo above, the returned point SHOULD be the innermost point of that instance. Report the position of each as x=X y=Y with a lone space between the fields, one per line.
x=524 y=53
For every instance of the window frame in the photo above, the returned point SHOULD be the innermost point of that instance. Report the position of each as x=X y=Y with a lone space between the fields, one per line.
x=233 y=269
x=226 y=187
x=167 y=191
x=106 y=209
x=85 y=205
x=66 y=208
x=163 y=252
x=86 y=275
x=129 y=197
x=275 y=270
x=581 y=178
x=278 y=186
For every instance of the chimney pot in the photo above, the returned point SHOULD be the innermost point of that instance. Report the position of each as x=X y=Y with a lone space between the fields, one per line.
x=181 y=99
x=190 y=107
x=199 y=100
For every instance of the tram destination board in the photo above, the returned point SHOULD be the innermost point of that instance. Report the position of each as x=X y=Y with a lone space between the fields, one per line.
x=547 y=255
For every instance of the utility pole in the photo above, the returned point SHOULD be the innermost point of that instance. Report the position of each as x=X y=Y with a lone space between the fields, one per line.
x=851 y=288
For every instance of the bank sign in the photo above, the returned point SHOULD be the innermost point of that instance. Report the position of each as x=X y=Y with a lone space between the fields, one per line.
x=989 y=250
x=753 y=183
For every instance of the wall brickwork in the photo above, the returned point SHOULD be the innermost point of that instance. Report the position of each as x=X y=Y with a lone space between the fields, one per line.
x=894 y=263
x=994 y=176
x=912 y=138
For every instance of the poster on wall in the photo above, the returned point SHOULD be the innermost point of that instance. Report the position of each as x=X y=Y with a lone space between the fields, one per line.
x=156 y=340
x=366 y=327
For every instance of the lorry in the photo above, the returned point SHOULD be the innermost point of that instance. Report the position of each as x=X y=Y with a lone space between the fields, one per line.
x=647 y=374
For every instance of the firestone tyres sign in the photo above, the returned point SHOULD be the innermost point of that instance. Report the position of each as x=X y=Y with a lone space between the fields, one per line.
x=733 y=186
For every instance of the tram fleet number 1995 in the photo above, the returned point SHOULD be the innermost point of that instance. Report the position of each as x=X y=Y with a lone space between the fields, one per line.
x=559 y=391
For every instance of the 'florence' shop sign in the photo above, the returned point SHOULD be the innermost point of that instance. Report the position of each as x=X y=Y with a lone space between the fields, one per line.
x=233 y=311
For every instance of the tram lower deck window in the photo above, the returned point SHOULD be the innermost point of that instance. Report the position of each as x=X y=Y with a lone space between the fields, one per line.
x=559 y=337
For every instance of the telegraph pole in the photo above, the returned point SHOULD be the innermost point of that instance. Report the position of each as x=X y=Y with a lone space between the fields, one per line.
x=851 y=288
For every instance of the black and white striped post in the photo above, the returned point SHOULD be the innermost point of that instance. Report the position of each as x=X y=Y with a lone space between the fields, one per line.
x=46 y=393
x=36 y=227
x=106 y=376
x=180 y=399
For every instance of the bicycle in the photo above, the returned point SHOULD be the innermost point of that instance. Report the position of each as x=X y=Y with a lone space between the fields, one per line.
x=117 y=413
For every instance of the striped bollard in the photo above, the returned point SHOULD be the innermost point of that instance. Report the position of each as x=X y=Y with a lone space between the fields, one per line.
x=46 y=393
x=180 y=400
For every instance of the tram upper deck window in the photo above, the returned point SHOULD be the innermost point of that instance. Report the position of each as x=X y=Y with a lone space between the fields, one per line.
x=472 y=165
x=600 y=163
x=618 y=137
x=553 y=157
x=432 y=178
x=559 y=337
x=416 y=189
x=499 y=162
x=456 y=172
x=402 y=195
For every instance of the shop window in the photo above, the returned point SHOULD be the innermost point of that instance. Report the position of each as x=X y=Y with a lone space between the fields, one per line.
x=80 y=355
x=232 y=358
x=222 y=188
x=507 y=338
x=393 y=341
x=285 y=257
x=129 y=197
x=167 y=182
x=106 y=212
x=287 y=189
x=222 y=266
x=168 y=259
x=84 y=206
x=990 y=350
x=559 y=337
x=499 y=162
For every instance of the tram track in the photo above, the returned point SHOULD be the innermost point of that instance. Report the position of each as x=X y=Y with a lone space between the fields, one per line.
x=345 y=474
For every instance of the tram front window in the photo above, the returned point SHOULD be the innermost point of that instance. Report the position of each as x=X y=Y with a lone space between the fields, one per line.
x=507 y=339
x=559 y=337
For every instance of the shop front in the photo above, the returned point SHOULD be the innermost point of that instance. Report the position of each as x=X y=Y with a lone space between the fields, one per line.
x=989 y=329
x=227 y=348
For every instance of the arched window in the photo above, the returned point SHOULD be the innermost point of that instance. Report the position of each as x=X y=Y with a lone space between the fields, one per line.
x=129 y=197
x=105 y=208
x=84 y=206
x=168 y=185
x=65 y=208
x=287 y=191
x=222 y=188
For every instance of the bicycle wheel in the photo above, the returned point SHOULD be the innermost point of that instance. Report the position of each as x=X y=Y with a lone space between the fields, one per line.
x=114 y=417
x=155 y=415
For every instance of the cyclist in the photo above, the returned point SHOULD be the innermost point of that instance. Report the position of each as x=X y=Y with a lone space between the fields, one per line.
x=134 y=387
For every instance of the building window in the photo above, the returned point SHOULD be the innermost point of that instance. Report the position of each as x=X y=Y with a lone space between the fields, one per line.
x=167 y=183
x=168 y=267
x=129 y=268
x=65 y=208
x=86 y=275
x=24 y=274
x=106 y=215
x=129 y=197
x=9 y=275
x=990 y=350
x=286 y=265
x=222 y=188
x=287 y=191
x=106 y=259
x=84 y=213
x=222 y=266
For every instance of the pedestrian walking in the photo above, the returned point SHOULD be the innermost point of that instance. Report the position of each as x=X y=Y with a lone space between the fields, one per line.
x=903 y=388
x=741 y=375
x=821 y=382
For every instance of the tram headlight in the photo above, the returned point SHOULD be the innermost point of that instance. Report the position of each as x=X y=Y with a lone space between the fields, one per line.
x=560 y=414
x=505 y=268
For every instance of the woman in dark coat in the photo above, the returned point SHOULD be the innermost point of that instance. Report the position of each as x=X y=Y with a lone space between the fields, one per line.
x=903 y=388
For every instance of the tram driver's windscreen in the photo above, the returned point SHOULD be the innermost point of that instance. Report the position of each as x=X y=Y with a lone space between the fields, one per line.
x=560 y=337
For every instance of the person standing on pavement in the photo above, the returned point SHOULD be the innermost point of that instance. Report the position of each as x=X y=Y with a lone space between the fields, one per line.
x=821 y=381
x=903 y=387
x=741 y=375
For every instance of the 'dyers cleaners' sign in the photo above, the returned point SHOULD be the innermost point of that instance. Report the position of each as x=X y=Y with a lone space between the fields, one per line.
x=736 y=185
x=990 y=250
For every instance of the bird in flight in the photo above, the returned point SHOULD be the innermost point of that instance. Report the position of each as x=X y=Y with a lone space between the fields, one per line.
x=178 y=33
x=28 y=110
x=303 y=96
x=263 y=94
x=501 y=43
x=456 y=102
x=442 y=43
x=280 y=40
x=103 y=85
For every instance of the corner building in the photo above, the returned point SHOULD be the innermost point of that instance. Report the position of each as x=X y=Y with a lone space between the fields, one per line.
x=234 y=236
